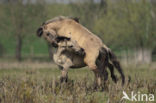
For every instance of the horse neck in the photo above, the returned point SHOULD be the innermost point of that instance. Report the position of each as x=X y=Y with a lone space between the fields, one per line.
x=55 y=25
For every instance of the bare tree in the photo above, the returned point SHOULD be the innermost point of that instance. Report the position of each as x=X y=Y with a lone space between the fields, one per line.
x=23 y=14
x=103 y=4
x=17 y=19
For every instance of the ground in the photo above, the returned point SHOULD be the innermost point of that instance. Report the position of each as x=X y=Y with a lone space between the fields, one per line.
x=38 y=82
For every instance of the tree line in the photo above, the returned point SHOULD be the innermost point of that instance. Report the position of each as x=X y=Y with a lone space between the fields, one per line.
x=122 y=24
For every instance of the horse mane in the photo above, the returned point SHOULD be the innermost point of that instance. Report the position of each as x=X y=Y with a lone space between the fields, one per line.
x=62 y=38
x=59 y=18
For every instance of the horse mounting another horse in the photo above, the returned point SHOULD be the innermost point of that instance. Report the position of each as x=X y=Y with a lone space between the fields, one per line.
x=82 y=48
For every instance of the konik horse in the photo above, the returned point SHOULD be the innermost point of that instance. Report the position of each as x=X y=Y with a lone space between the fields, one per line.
x=70 y=55
x=92 y=45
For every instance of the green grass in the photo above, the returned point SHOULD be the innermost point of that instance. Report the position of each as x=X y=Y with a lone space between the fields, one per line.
x=41 y=85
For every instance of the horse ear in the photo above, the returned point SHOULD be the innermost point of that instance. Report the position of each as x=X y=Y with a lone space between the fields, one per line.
x=39 y=32
x=76 y=19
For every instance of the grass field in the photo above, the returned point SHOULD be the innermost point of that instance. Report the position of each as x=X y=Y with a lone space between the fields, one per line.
x=39 y=83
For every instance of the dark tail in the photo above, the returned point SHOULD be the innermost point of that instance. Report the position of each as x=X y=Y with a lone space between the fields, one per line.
x=116 y=63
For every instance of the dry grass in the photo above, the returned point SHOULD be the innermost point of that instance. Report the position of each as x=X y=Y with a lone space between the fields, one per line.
x=26 y=64
x=41 y=85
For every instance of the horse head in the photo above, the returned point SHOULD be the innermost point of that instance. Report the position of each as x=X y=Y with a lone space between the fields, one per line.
x=49 y=29
x=47 y=34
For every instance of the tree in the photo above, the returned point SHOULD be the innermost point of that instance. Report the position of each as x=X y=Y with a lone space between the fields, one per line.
x=22 y=17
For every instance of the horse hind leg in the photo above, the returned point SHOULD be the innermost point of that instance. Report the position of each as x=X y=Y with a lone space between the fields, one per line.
x=102 y=62
x=102 y=68
x=113 y=76
x=97 y=74
x=90 y=60
x=105 y=74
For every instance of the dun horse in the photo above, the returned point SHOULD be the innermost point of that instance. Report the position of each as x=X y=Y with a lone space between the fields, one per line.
x=89 y=42
x=70 y=55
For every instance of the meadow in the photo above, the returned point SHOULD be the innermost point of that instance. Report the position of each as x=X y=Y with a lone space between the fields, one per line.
x=38 y=82
x=125 y=26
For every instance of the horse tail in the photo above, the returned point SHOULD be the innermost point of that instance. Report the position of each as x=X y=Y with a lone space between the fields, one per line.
x=116 y=63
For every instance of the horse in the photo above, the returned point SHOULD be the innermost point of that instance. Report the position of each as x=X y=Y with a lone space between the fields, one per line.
x=70 y=55
x=91 y=44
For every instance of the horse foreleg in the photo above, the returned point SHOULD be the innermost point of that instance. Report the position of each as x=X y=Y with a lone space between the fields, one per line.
x=64 y=76
x=64 y=71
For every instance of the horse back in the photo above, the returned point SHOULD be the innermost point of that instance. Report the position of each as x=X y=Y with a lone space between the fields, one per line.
x=77 y=32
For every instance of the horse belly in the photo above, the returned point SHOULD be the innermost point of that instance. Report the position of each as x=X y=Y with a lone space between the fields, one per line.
x=78 y=62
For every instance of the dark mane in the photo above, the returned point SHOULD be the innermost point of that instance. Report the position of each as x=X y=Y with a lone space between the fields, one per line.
x=62 y=38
